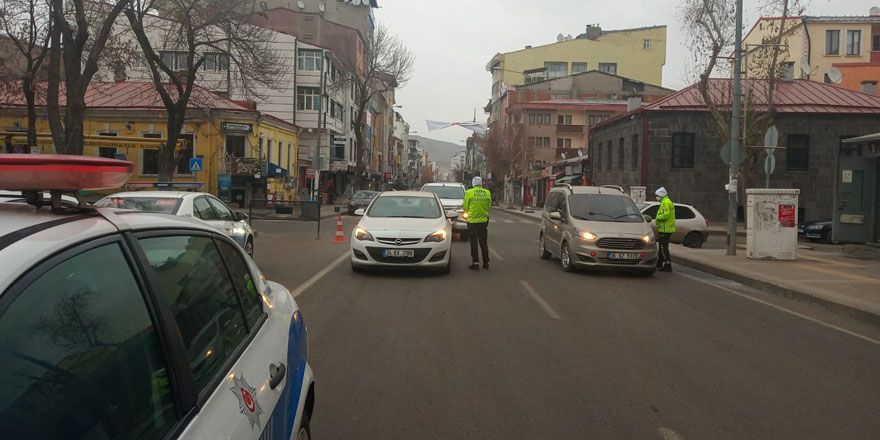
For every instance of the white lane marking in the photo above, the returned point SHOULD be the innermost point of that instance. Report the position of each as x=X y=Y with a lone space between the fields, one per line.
x=531 y=222
x=302 y=287
x=540 y=300
x=493 y=221
x=508 y=221
x=668 y=434
x=781 y=309
x=496 y=255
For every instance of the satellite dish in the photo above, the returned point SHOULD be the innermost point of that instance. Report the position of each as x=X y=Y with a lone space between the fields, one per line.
x=300 y=4
x=563 y=156
x=568 y=37
x=834 y=75
x=580 y=153
x=321 y=7
x=560 y=38
x=263 y=6
x=875 y=11
x=805 y=67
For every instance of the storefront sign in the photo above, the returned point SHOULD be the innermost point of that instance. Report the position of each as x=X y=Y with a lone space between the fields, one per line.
x=238 y=126
x=786 y=216
x=224 y=183
x=310 y=173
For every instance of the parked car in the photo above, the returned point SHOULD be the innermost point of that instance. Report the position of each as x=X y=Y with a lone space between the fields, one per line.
x=816 y=231
x=691 y=228
x=361 y=199
x=452 y=197
x=198 y=205
x=136 y=325
x=589 y=226
x=403 y=229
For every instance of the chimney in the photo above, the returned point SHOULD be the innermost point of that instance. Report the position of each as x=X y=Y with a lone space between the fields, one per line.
x=869 y=87
x=633 y=103
x=593 y=31
x=528 y=47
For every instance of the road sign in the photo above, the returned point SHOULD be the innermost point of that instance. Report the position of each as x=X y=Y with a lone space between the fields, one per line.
x=771 y=139
x=725 y=153
x=196 y=164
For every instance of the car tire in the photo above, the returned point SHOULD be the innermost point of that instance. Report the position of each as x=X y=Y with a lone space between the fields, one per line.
x=693 y=240
x=249 y=247
x=565 y=258
x=542 y=249
x=305 y=430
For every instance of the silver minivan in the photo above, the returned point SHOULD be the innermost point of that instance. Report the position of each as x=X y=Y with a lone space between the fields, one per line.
x=590 y=226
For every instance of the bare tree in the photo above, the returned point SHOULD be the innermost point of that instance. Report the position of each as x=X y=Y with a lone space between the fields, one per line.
x=503 y=148
x=79 y=51
x=387 y=64
x=192 y=37
x=426 y=175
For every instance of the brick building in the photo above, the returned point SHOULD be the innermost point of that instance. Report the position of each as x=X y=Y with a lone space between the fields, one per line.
x=673 y=143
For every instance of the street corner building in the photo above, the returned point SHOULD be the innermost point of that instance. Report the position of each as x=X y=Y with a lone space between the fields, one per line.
x=674 y=142
x=244 y=154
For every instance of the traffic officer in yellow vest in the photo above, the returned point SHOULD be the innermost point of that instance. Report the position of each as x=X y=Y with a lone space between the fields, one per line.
x=666 y=227
x=477 y=202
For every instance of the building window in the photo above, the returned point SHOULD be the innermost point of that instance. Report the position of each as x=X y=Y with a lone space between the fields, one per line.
x=108 y=152
x=310 y=59
x=546 y=141
x=563 y=119
x=797 y=153
x=578 y=68
x=832 y=42
x=567 y=142
x=556 y=69
x=534 y=77
x=150 y=158
x=608 y=68
x=532 y=117
x=683 y=150
x=598 y=156
x=280 y=147
x=646 y=44
x=216 y=62
x=853 y=42
x=308 y=98
x=634 y=159
x=235 y=146
x=185 y=152
x=546 y=118
x=609 y=157
x=531 y=141
x=175 y=61
x=621 y=154
x=875 y=46
x=560 y=143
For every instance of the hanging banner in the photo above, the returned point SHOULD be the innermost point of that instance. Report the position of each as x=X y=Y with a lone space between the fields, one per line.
x=476 y=127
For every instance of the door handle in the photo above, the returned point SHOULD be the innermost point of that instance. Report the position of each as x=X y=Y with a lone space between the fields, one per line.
x=276 y=374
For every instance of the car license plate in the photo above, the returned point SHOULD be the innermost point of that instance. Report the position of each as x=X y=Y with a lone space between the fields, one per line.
x=398 y=253
x=623 y=256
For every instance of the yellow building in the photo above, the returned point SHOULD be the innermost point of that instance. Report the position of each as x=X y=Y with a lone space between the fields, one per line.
x=245 y=155
x=639 y=54
x=841 y=50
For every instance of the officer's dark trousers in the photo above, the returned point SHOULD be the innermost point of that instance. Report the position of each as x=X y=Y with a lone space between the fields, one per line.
x=479 y=233
x=664 y=257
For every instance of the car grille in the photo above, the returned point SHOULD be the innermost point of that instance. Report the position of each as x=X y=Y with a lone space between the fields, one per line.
x=620 y=262
x=376 y=254
x=403 y=241
x=620 y=243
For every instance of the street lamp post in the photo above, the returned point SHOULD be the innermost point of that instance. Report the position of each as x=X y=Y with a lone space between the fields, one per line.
x=732 y=193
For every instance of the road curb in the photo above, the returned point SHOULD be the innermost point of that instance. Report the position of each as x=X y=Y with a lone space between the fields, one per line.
x=520 y=214
x=776 y=289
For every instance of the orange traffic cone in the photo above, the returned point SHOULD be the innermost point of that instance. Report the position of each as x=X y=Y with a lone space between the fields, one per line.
x=340 y=237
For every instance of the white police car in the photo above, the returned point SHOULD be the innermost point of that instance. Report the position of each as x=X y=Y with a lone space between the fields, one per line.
x=133 y=325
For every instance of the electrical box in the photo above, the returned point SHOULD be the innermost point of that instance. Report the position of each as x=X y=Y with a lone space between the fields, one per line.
x=772 y=221
x=638 y=193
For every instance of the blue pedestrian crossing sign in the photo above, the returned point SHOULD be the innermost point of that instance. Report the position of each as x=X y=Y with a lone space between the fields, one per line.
x=195 y=164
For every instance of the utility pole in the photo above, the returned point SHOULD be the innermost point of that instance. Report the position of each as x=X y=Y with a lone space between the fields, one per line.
x=523 y=142
x=732 y=193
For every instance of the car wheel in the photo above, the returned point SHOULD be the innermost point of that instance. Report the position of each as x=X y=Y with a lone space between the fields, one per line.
x=249 y=247
x=545 y=255
x=693 y=240
x=566 y=258
x=305 y=431
x=826 y=237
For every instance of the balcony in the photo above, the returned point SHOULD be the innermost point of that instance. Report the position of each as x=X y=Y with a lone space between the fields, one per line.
x=570 y=129
x=242 y=166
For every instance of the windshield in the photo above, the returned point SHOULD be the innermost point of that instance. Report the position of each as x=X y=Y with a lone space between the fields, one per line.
x=365 y=195
x=404 y=207
x=445 y=192
x=604 y=208
x=162 y=205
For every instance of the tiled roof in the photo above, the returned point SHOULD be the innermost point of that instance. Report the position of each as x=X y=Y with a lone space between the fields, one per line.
x=125 y=95
x=843 y=19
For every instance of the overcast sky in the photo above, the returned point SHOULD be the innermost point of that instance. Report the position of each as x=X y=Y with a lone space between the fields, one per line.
x=454 y=39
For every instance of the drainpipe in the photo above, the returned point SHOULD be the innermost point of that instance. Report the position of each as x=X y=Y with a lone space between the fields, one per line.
x=809 y=46
x=645 y=149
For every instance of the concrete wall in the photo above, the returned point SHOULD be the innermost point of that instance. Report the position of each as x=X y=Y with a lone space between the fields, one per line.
x=703 y=185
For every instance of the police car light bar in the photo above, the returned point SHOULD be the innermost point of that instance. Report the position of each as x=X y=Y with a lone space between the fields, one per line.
x=167 y=185
x=43 y=172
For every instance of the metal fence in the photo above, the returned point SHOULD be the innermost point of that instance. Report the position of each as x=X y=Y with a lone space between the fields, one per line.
x=293 y=210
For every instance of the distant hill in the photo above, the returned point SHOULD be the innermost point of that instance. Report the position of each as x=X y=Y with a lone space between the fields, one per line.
x=438 y=151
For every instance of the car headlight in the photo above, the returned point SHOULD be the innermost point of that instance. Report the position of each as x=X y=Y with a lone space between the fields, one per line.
x=362 y=234
x=238 y=230
x=437 y=236
x=648 y=238
x=588 y=236
x=464 y=215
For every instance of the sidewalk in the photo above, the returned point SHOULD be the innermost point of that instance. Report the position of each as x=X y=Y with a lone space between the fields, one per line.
x=827 y=277
x=327 y=211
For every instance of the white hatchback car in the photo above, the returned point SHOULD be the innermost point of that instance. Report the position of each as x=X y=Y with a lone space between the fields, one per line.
x=403 y=229
x=202 y=206
x=452 y=197
x=125 y=324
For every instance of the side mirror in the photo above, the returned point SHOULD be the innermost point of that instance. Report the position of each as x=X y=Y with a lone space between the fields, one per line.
x=359 y=212
x=451 y=214
x=240 y=216
x=648 y=218
x=555 y=215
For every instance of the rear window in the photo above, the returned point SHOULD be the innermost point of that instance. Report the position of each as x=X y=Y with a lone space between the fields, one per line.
x=162 y=205
x=365 y=195
x=404 y=207
x=445 y=192
x=604 y=208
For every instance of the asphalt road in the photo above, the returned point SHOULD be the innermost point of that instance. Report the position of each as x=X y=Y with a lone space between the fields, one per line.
x=524 y=350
